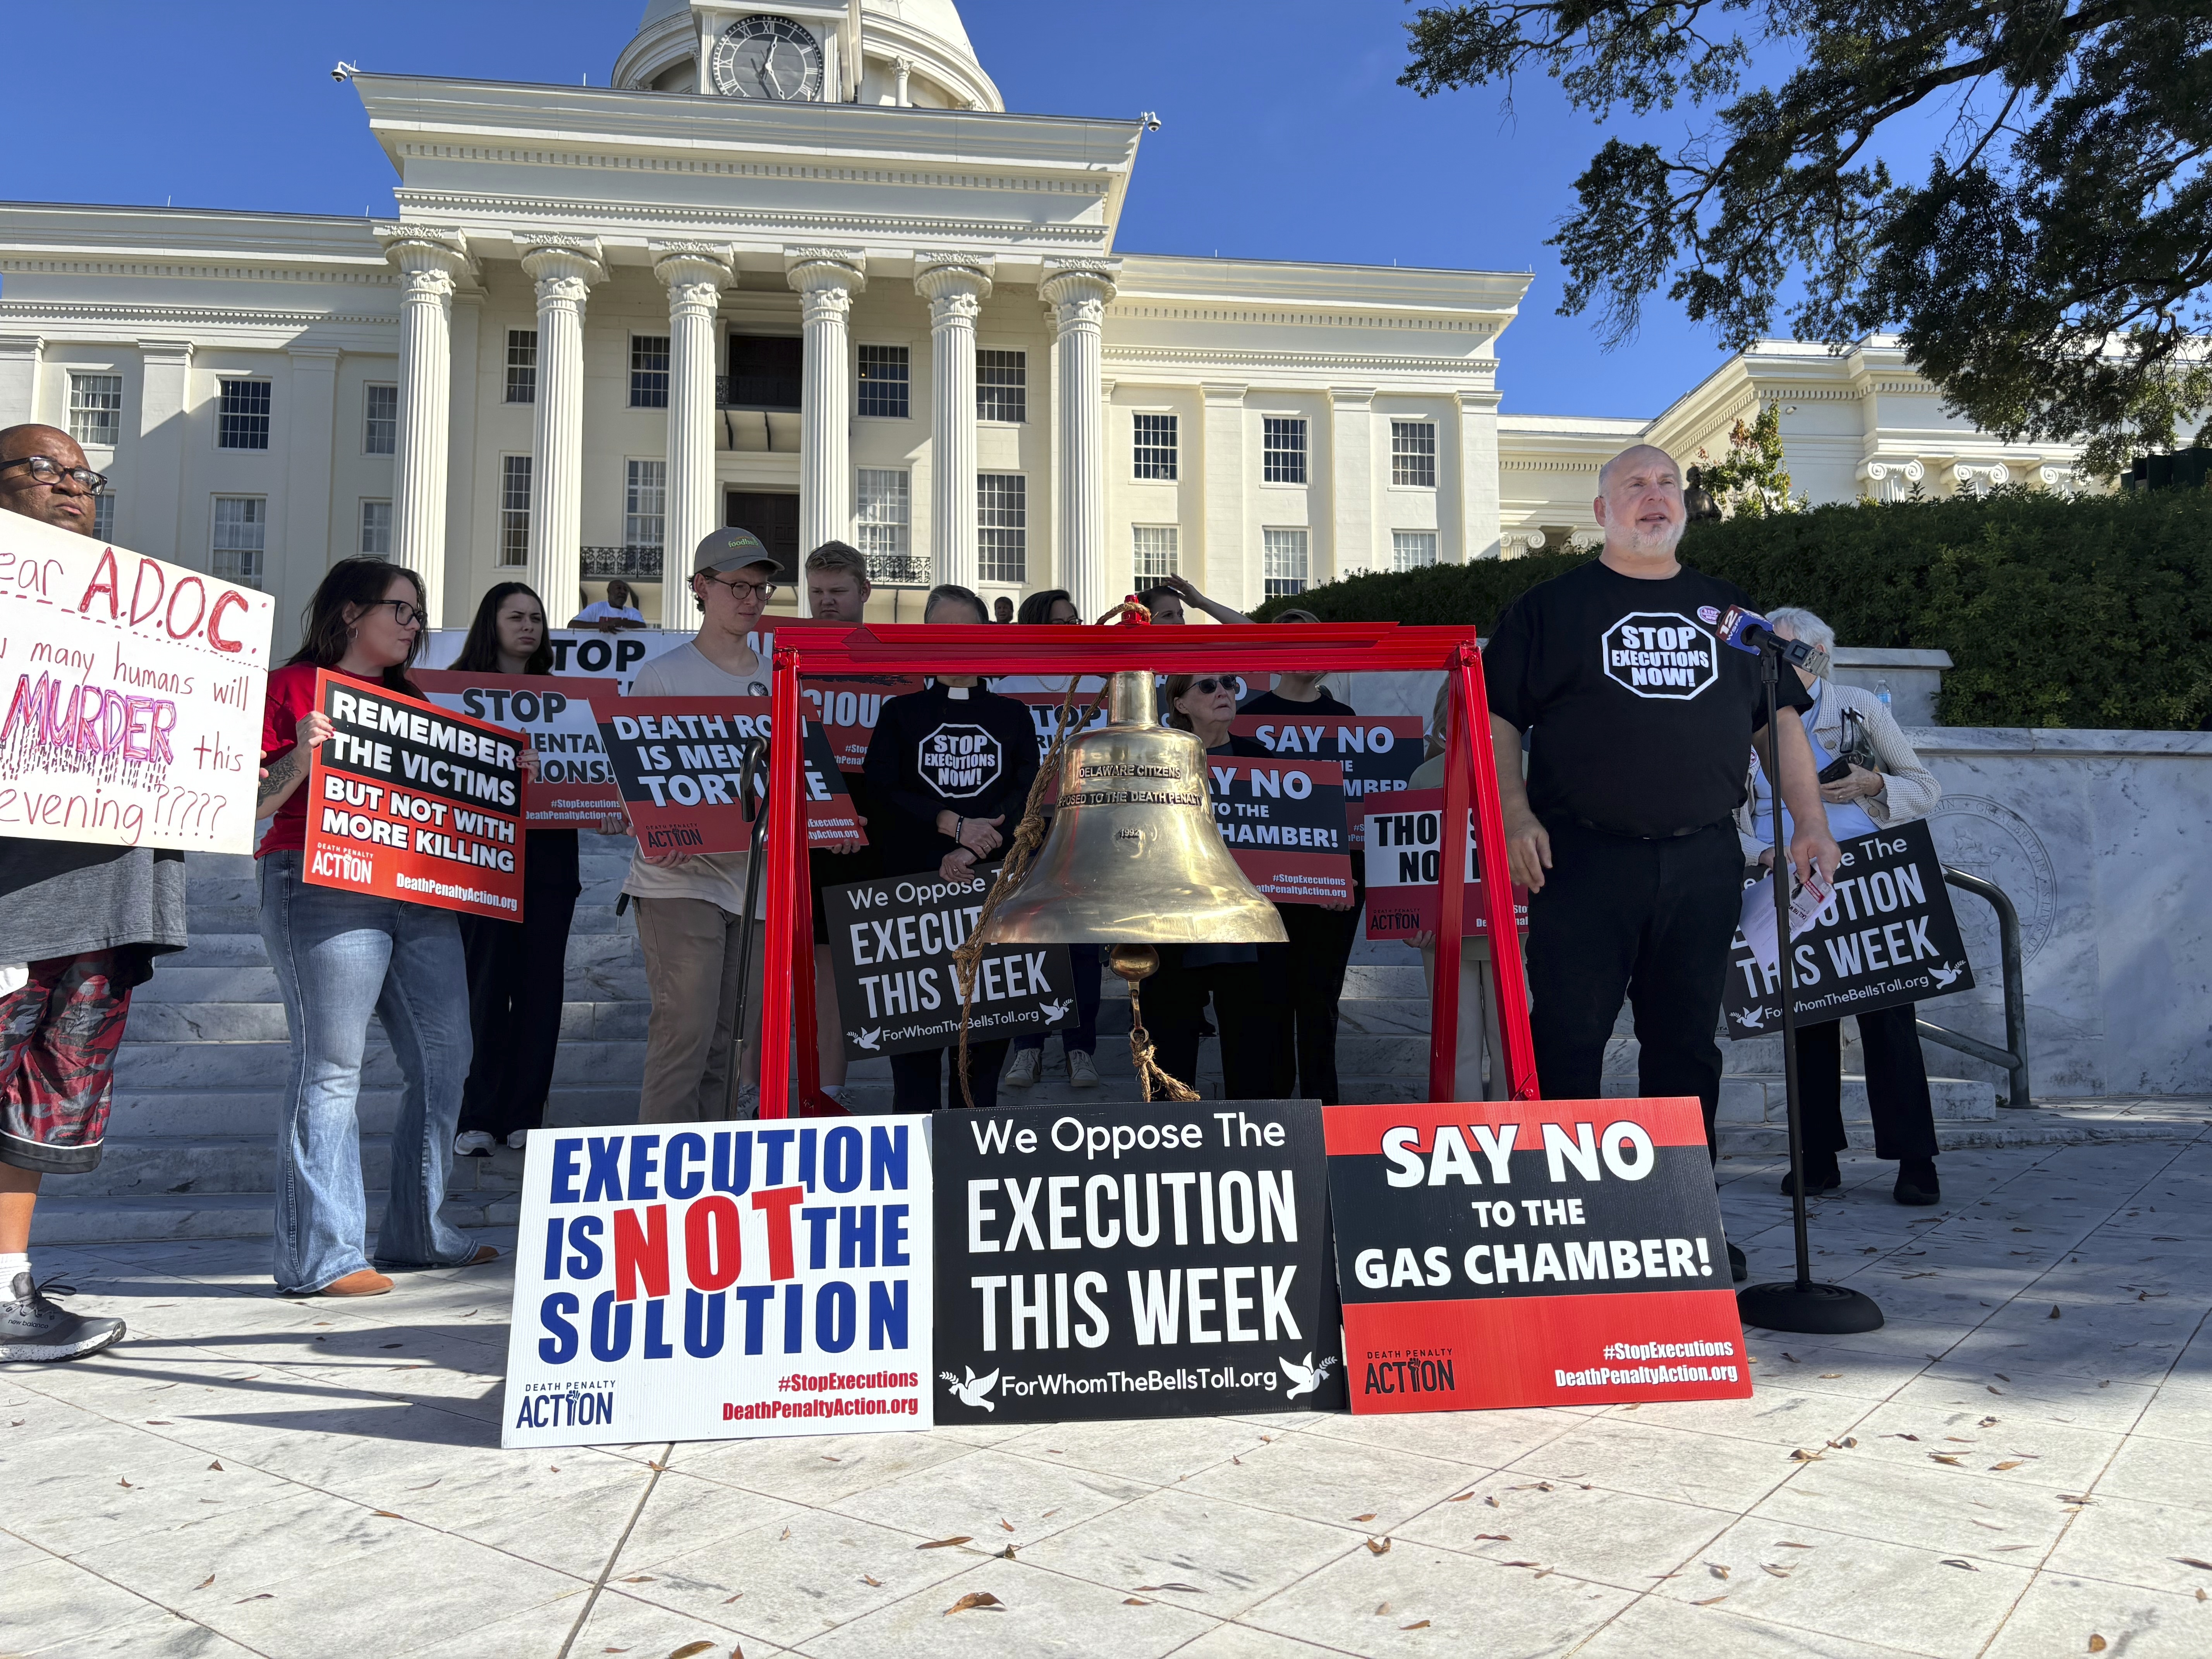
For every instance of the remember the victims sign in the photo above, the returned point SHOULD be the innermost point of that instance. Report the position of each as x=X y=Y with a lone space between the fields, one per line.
x=133 y=695
x=722 y=1283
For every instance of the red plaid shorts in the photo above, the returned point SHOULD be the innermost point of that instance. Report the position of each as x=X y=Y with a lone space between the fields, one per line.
x=58 y=1033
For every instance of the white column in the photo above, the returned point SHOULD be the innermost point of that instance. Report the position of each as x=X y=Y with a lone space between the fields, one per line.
x=1224 y=564
x=1354 y=536
x=308 y=545
x=956 y=286
x=1478 y=516
x=18 y=378
x=430 y=260
x=696 y=273
x=564 y=268
x=1079 y=291
x=463 y=580
x=827 y=279
x=149 y=504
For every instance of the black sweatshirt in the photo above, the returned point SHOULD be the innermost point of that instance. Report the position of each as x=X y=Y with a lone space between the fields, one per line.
x=941 y=749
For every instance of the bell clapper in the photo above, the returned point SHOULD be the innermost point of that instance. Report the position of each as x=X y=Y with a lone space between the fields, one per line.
x=1136 y=964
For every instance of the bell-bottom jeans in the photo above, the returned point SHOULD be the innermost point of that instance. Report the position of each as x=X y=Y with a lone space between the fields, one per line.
x=340 y=956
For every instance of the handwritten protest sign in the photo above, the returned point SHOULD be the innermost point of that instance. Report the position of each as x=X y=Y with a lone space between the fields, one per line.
x=134 y=693
x=574 y=786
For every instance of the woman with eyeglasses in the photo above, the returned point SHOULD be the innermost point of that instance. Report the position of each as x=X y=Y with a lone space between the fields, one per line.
x=341 y=957
x=518 y=970
x=1242 y=982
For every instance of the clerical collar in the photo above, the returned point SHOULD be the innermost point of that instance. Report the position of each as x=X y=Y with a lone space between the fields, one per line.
x=959 y=692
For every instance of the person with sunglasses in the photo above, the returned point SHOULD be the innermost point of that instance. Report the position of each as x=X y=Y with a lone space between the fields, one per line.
x=691 y=907
x=341 y=957
x=1243 y=981
x=79 y=928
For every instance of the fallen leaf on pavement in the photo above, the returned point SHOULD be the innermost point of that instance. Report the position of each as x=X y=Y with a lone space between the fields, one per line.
x=1709 y=1601
x=2098 y=1644
x=1462 y=1499
x=1186 y=1589
x=1005 y=1525
x=639 y=1579
x=870 y=1581
x=1522 y=1563
x=217 y=1467
x=1945 y=1457
x=205 y=1582
x=265 y=1596
x=1383 y=1548
x=1496 y=1537
x=1787 y=1545
x=1419 y=1624
x=125 y=1483
x=2191 y=1561
x=1779 y=1572
x=1968 y=1566
x=1369 y=1515
x=1801 y=1456
x=1717 y=1570
x=943 y=1543
x=388 y=1515
x=2009 y=1463
x=1135 y=1601
x=690 y=1649
x=974 y=1600
x=1381 y=1609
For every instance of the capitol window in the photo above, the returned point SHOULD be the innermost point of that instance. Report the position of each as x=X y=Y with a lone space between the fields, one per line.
x=1002 y=387
x=648 y=371
x=644 y=503
x=376 y=529
x=242 y=416
x=96 y=408
x=514 y=509
x=103 y=516
x=885 y=509
x=522 y=365
x=1155 y=460
x=1285 y=556
x=884 y=382
x=1412 y=549
x=1152 y=551
x=1414 y=454
x=1002 y=520
x=241 y=536
x=380 y=420
x=1283 y=453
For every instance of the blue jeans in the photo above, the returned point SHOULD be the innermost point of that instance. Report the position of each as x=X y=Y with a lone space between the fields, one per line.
x=1082 y=1037
x=340 y=956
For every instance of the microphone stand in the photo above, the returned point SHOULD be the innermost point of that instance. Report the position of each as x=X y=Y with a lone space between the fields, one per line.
x=1803 y=1304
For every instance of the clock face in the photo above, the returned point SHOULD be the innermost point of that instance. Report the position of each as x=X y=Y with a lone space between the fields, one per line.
x=768 y=58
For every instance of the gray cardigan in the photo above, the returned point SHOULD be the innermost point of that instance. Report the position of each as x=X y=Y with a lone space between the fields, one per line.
x=1909 y=788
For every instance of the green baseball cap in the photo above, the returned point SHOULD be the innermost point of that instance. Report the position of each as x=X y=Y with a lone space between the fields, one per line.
x=732 y=550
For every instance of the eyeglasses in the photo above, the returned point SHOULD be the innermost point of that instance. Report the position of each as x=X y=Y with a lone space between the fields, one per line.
x=406 y=615
x=48 y=470
x=1210 y=686
x=761 y=591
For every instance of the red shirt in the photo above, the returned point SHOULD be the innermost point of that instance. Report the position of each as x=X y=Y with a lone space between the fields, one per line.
x=291 y=693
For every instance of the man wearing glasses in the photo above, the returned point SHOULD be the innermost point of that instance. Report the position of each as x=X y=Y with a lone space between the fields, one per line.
x=691 y=906
x=79 y=926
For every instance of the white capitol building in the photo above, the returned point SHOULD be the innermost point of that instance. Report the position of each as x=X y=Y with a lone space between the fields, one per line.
x=798 y=269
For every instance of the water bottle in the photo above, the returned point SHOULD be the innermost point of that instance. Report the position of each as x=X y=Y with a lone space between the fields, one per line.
x=1882 y=690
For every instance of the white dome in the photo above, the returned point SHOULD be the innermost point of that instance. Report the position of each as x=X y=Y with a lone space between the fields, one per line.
x=928 y=33
x=938 y=17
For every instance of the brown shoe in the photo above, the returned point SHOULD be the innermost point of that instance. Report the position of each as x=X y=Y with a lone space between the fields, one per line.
x=485 y=1252
x=365 y=1281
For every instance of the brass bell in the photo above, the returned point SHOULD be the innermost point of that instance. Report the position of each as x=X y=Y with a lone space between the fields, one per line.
x=1134 y=857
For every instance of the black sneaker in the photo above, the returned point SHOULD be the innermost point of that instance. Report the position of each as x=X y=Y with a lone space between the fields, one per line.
x=31 y=1327
x=1738 y=1269
x=1916 y=1181
x=1822 y=1175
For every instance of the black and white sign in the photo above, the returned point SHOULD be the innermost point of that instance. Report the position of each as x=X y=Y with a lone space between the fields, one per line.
x=1134 y=1261
x=1283 y=822
x=1379 y=753
x=1661 y=653
x=891 y=946
x=1886 y=936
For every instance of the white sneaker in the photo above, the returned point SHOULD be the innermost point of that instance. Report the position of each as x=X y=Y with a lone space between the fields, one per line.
x=1024 y=1072
x=473 y=1143
x=1081 y=1073
x=518 y=1140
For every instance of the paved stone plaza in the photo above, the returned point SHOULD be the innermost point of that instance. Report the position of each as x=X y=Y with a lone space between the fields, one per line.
x=2019 y=1464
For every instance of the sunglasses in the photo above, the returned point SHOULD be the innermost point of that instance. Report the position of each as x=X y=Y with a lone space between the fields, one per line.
x=1210 y=686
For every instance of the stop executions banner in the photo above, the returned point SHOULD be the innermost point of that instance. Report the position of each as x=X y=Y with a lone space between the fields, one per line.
x=1535 y=1253
x=892 y=942
x=1405 y=869
x=718 y=1284
x=1284 y=822
x=574 y=786
x=1888 y=935
x=134 y=707
x=680 y=762
x=1133 y=1261
x=1378 y=752
x=407 y=800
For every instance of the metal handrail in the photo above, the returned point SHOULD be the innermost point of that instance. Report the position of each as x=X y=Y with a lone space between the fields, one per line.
x=2014 y=1056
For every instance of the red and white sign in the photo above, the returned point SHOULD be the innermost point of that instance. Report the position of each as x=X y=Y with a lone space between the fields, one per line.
x=574 y=788
x=408 y=800
x=1378 y=752
x=1530 y=1252
x=1405 y=869
x=1284 y=823
x=845 y=706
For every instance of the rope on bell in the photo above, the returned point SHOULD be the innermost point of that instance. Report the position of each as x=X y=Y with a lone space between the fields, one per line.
x=1021 y=852
x=1149 y=1070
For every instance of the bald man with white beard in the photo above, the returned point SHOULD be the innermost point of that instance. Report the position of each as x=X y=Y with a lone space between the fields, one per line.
x=1640 y=725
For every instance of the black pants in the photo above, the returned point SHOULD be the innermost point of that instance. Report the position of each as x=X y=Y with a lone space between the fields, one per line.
x=1896 y=1080
x=1249 y=1012
x=1653 y=920
x=927 y=1082
x=1313 y=965
x=517 y=971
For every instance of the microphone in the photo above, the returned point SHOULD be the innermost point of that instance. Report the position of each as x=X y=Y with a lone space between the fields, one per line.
x=1752 y=633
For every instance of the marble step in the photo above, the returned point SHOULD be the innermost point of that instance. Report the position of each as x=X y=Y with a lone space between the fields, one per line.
x=250 y=1065
x=196 y=1166
x=138 y=1112
x=77 y=1220
x=263 y=1021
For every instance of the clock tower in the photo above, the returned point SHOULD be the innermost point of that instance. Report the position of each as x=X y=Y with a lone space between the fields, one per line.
x=909 y=54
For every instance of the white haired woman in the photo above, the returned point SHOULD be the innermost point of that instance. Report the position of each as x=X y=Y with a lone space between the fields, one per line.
x=1849 y=728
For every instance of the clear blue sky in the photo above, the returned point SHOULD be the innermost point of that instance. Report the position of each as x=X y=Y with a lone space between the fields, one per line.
x=1285 y=134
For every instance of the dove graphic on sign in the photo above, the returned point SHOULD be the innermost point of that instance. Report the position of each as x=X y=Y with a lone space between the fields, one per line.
x=1307 y=1378
x=971 y=1392
x=1054 y=1011
x=867 y=1039
x=1943 y=973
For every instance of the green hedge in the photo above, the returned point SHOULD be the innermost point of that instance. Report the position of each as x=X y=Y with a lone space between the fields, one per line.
x=2093 y=613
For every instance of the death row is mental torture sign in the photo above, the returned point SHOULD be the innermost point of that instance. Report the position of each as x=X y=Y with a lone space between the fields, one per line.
x=1404 y=869
x=1379 y=753
x=1886 y=936
x=574 y=788
x=1540 y=1253
x=890 y=949
x=708 y=1283
x=680 y=763
x=407 y=800
x=1284 y=823
x=134 y=700
x=1133 y=1262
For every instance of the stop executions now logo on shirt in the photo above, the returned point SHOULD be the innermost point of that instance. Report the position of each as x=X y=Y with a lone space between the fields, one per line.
x=960 y=761
x=1660 y=654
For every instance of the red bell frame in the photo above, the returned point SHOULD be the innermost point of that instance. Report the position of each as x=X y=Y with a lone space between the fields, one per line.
x=788 y=967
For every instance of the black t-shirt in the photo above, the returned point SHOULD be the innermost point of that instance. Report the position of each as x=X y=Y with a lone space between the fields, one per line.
x=942 y=748
x=1273 y=702
x=1640 y=719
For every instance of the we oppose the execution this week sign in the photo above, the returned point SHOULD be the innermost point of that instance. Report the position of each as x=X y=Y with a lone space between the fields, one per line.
x=1531 y=1253
x=133 y=694
x=722 y=1283
x=407 y=800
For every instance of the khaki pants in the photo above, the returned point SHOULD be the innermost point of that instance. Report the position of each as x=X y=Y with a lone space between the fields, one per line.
x=691 y=948
x=1478 y=1019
